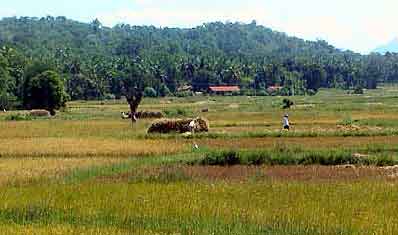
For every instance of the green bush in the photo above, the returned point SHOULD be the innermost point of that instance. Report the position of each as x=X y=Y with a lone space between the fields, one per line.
x=287 y=103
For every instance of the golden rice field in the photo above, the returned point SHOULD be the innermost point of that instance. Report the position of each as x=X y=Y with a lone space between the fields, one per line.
x=87 y=171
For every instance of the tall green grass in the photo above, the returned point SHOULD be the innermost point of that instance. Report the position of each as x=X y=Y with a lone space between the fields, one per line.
x=292 y=156
x=216 y=208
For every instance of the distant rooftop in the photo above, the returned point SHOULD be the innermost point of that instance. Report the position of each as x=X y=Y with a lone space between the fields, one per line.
x=224 y=88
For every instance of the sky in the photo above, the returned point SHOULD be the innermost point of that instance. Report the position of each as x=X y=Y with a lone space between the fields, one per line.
x=358 y=25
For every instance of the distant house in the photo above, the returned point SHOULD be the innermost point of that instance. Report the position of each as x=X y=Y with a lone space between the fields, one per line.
x=273 y=89
x=223 y=90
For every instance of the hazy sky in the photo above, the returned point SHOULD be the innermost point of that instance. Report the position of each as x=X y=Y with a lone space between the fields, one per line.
x=359 y=25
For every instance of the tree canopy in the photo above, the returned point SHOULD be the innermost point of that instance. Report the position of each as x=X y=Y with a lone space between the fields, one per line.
x=44 y=91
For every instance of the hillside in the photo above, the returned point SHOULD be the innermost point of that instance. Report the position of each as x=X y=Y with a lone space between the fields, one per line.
x=230 y=39
x=93 y=59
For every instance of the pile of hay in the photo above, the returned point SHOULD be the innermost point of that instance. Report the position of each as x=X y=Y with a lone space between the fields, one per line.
x=39 y=113
x=142 y=115
x=178 y=125
x=148 y=114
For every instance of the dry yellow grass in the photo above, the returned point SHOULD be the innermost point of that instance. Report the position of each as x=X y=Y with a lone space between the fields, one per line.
x=91 y=147
x=62 y=128
x=27 y=169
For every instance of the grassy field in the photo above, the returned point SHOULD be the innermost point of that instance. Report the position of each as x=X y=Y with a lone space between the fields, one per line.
x=87 y=171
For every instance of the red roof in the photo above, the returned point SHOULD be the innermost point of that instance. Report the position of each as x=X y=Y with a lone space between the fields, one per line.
x=224 y=88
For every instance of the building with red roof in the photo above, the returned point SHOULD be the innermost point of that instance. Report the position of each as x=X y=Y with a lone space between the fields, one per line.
x=224 y=89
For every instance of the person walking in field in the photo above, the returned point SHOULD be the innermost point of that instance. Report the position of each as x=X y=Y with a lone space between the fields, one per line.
x=192 y=126
x=285 y=121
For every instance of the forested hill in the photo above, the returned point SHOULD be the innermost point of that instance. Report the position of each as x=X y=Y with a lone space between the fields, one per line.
x=48 y=35
x=92 y=58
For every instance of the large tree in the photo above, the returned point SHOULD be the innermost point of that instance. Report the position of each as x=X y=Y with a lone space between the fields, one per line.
x=134 y=78
x=45 y=91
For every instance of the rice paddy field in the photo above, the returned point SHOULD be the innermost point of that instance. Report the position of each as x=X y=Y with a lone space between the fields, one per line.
x=87 y=171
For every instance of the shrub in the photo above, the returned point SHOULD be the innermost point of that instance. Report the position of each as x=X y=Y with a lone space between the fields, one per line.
x=287 y=103
x=150 y=92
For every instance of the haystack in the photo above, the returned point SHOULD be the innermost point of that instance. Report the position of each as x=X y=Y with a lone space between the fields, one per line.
x=39 y=113
x=148 y=114
x=178 y=125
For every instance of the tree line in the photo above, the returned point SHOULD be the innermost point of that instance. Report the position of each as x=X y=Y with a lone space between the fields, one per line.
x=90 y=61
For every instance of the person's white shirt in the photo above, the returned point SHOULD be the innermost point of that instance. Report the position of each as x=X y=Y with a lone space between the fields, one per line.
x=192 y=124
x=285 y=121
